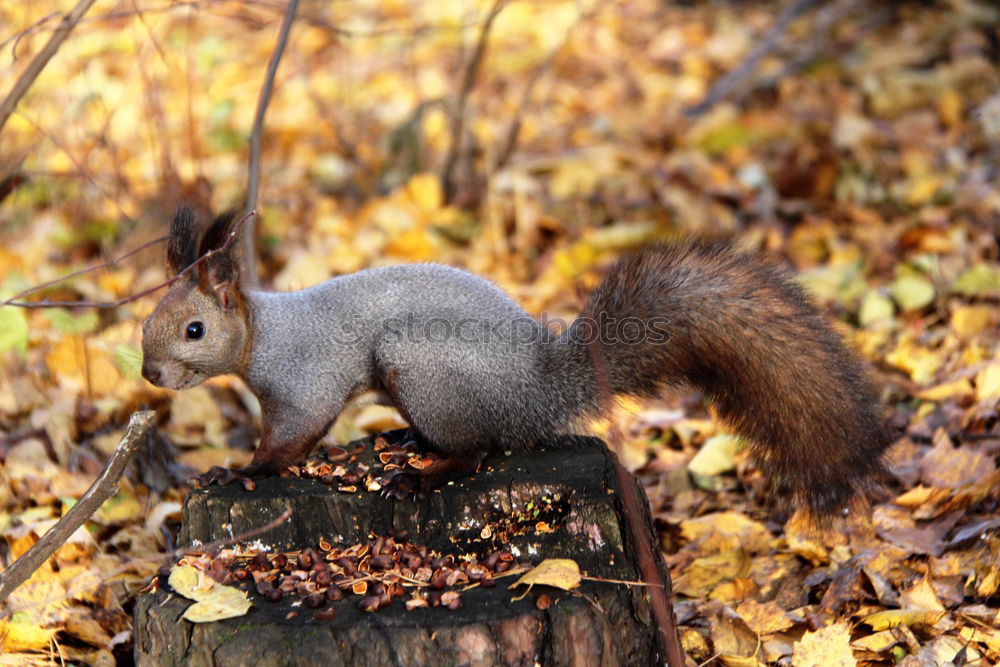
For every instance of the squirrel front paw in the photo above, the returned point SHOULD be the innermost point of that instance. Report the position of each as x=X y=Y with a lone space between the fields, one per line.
x=224 y=476
x=403 y=484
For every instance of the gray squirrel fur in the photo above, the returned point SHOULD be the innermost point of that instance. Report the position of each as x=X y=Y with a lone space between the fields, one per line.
x=473 y=372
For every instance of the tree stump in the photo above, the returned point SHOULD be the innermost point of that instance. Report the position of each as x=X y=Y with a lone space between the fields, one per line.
x=597 y=624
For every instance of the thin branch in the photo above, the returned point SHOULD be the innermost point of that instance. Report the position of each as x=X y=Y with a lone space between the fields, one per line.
x=210 y=547
x=253 y=176
x=735 y=77
x=102 y=489
x=41 y=59
x=514 y=129
x=210 y=7
x=77 y=274
x=114 y=304
x=80 y=166
x=458 y=119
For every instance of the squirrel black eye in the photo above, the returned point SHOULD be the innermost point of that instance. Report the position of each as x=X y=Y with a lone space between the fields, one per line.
x=195 y=330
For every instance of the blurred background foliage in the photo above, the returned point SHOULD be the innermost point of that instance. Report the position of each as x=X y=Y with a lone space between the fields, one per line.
x=862 y=150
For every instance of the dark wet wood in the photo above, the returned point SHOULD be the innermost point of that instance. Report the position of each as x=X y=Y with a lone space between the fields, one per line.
x=600 y=624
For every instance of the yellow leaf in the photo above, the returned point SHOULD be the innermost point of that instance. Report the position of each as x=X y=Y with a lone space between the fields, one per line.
x=989 y=584
x=875 y=308
x=715 y=456
x=883 y=620
x=121 y=508
x=13 y=330
x=919 y=362
x=303 y=269
x=734 y=590
x=416 y=244
x=829 y=647
x=195 y=417
x=922 y=189
x=26 y=636
x=80 y=623
x=942 y=392
x=703 y=574
x=877 y=642
x=979 y=279
x=912 y=292
x=213 y=601
x=221 y=602
x=189 y=582
x=967 y=321
x=921 y=596
x=950 y=108
x=424 y=190
x=764 y=617
x=921 y=495
x=803 y=541
x=561 y=573
x=985 y=635
x=988 y=383
x=79 y=365
x=376 y=418
x=722 y=531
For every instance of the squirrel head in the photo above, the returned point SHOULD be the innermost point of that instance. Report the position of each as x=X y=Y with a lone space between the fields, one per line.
x=200 y=328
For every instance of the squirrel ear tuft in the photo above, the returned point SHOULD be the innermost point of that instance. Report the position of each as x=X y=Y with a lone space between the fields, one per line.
x=182 y=246
x=218 y=232
x=220 y=272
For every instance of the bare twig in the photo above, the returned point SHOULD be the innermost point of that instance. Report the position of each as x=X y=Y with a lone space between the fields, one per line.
x=41 y=59
x=658 y=583
x=76 y=274
x=80 y=167
x=212 y=6
x=458 y=119
x=114 y=304
x=218 y=544
x=819 y=40
x=732 y=79
x=102 y=489
x=514 y=129
x=253 y=175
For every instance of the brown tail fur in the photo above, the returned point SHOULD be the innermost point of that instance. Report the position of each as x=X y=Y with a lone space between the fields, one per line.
x=741 y=331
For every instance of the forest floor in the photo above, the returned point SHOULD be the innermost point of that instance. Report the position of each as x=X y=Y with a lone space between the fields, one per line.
x=862 y=151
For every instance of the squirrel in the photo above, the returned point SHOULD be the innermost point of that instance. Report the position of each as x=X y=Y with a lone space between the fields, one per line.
x=472 y=372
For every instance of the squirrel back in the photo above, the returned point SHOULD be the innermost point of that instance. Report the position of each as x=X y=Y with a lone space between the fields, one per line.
x=472 y=372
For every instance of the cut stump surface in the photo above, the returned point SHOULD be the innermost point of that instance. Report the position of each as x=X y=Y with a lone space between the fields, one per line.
x=574 y=479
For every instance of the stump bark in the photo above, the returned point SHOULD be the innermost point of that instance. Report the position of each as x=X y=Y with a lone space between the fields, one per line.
x=599 y=623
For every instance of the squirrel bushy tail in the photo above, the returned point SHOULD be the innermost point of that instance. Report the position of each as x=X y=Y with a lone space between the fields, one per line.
x=738 y=329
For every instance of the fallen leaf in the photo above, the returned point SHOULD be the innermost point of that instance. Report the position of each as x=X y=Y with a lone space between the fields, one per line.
x=912 y=292
x=715 y=456
x=941 y=392
x=921 y=596
x=213 y=601
x=890 y=618
x=988 y=383
x=13 y=330
x=764 y=618
x=977 y=280
x=561 y=573
x=220 y=603
x=826 y=647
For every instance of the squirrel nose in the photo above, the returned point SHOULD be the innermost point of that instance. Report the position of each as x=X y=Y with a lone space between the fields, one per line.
x=150 y=373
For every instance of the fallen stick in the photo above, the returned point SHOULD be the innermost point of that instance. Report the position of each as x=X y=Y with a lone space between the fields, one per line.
x=102 y=489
